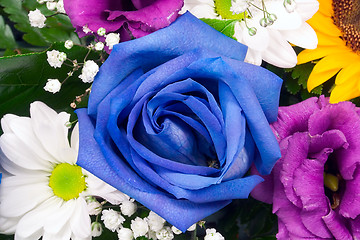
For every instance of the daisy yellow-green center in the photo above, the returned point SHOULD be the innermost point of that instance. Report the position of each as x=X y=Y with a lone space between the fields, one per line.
x=222 y=7
x=67 y=181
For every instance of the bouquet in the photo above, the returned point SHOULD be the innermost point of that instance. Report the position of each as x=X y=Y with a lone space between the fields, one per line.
x=179 y=119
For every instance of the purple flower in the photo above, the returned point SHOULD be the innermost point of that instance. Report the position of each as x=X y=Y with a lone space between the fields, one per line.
x=176 y=118
x=130 y=18
x=315 y=186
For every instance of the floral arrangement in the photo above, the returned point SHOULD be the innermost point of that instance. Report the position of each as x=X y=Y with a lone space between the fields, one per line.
x=179 y=119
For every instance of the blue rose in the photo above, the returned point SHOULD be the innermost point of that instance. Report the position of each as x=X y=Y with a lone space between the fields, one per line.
x=176 y=118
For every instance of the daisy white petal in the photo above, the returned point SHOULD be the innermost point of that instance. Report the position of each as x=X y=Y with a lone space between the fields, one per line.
x=259 y=41
x=286 y=58
x=285 y=20
x=31 y=224
x=307 y=8
x=43 y=192
x=304 y=36
x=253 y=57
x=14 y=206
x=10 y=145
x=80 y=221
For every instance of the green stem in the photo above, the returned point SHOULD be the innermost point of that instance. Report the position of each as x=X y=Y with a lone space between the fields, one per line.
x=193 y=235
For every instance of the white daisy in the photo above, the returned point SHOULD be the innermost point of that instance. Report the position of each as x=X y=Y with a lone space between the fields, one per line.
x=267 y=39
x=43 y=191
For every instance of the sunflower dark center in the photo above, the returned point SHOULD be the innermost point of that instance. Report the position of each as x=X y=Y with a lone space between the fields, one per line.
x=347 y=19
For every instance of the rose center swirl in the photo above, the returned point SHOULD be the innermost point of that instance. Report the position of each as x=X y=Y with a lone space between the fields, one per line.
x=347 y=19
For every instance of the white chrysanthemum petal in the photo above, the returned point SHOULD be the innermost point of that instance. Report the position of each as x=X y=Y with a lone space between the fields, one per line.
x=75 y=138
x=304 y=36
x=28 y=205
x=21 y=154
x=30 y=225
x=13 y=168
x=253 y=57
x=97 y=187
x=190 y=4
x=204 y=11
x=8 y=225
x=50 y=128
x=307 y=8
x=285 y=20
x=6 y=120
x=286 y=58
x=22 y=128
x=11 y=182
x=13 y=205
x=259 y=41
x=80 y=221
x=62 y=234
x=56 y=221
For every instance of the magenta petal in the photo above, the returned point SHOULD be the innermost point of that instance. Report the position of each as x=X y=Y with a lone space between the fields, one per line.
x=350 y=201
x=290 y=216
x=283 y=233
x=355 y=227
x=309 y=185
x=294 y=118
x=333 y=139
x=114 y=16
x=296 y=153
x=343 y=117
x=155 y=16
x=264 y=190
x=336 y=225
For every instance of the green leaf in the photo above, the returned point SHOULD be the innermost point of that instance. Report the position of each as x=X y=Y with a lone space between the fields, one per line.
x=302 y=73
x=226 y=27
x=318 y=90
x=7 y=40
x=22 y=78
x=292 y=86
x=19 y=16
x=58 y=27
x=6 y=237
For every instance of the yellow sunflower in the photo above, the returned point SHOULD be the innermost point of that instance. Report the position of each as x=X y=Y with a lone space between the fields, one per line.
x=337 y=25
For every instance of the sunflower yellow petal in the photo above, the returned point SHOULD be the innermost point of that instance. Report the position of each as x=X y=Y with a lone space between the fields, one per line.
x=345 y=92
x=326 y=40
x=326 y=7
x=308 y=55
x=328 y=67
x=317 y=78
x=324 y=24
x=348 y=73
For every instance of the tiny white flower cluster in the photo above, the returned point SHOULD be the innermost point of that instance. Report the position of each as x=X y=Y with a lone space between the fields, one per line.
x=103 y=39
x=37 y=19
x=55 y=58
x=89 y=71
x=212 y=234
x=111 y=39
x=112 y=219
x=52 y=5
x=153 y=226
x=52 y=85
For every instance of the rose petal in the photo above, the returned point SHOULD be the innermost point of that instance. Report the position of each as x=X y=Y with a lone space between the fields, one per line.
x=168 y=42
